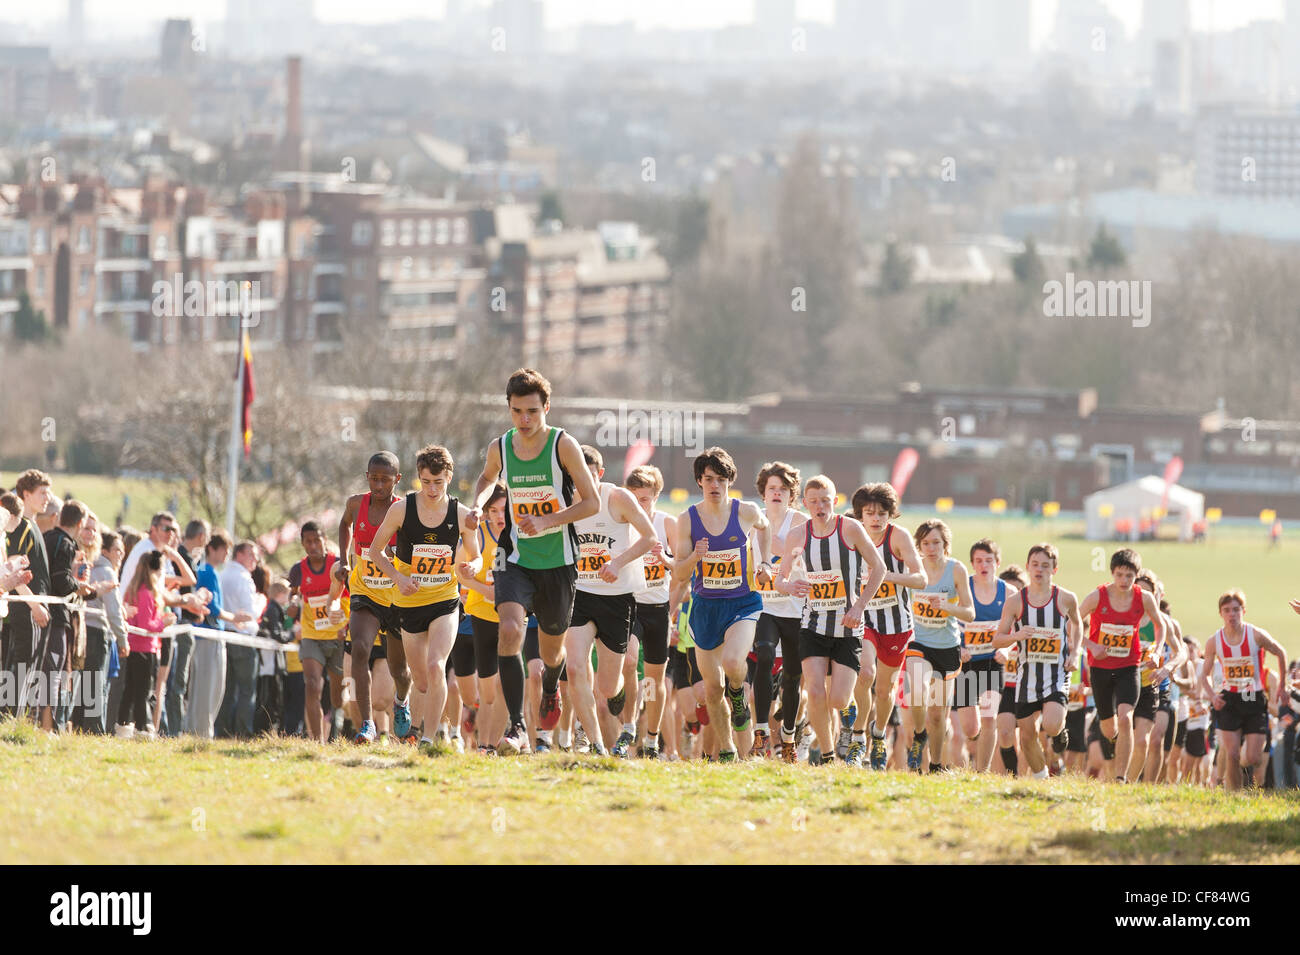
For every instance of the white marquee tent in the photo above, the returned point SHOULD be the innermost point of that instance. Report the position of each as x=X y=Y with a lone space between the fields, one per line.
x=1137 y=499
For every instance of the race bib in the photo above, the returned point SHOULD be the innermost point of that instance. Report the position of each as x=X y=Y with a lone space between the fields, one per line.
x=372 y=577
x=927 y=616
x=535 y=502
x=1012 y=664
x=592 y=557
x=431 y=565
x=1078 y=697
x=1198 y=716
x=656 y=571
x=720 y=569
x=1041 y=644
x=826 y=591
x=886 y=596
x=1117 y=638
x=979 y=635
x=1239 y=674
x=318 y=611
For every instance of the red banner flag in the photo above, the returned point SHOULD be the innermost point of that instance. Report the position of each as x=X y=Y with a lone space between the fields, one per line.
x=904 y=466
x=246 y=400
x=1173 y=471
x=637 y=455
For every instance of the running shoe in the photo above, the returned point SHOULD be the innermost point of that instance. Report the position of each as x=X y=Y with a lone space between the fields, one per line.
x=410 y=739
x=548 y=711
x=515 y=742
x=402 y=718
x=367 y=734
x=621 y=746
x=485 y=750
x=762 y=745
x=598 y=750
x=650 y=752
x=854 y=756
x=849 y=715
x=458 y=744
x=739 y=709
x=915 y=752
x=789 y=752
x=727 y=756
x=879 y=755
x=814 y=757
x=428 y=747
x=542 y=746
x=827 y=759
x=843 y=740
x=580 y=742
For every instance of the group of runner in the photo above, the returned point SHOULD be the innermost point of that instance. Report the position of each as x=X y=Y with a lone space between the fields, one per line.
x=556 y=610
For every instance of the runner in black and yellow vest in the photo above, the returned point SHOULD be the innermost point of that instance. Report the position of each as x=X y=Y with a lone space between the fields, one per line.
x=429 y=526
x=371 y=615
x=537 y=555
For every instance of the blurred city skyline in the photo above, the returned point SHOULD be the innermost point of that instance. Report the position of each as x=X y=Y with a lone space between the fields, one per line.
x=562 y=15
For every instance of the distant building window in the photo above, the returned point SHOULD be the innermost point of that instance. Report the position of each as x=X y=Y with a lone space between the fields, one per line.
x=426 y=231
x=388 y=232
x=40 y=280
x=128 y=283
x=359 y=268
x=298 y=285
x=407 y=231
x=40 y=242
x=460 y=231
x=359 y=306
x=83 y=239
x=442 y=231
x=83 y=280
x=6 y=282
x=160 y=246
x=128 y=245
x=362 y=232
x=83 y=317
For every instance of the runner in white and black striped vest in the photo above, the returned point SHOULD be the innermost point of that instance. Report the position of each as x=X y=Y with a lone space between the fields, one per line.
x=1047 y=631
x=889 y=613
x=841 y=568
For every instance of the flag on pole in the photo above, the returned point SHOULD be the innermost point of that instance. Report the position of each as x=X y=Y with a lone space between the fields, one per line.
x=904 y=465
x=246 y=399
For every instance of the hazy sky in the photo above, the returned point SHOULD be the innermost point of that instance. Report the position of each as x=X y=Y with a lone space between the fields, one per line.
x=562 y=14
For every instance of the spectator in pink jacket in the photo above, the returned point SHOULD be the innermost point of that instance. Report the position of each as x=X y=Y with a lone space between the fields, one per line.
x=144 y=593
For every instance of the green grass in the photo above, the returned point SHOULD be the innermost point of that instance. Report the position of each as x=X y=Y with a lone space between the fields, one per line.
x=83 y=800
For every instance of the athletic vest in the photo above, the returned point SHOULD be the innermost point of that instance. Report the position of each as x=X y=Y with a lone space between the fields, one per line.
x=1044 y=649
x=890 y=610
x=1116 y=631
x=937 y=629
x=600 y=539
x=315 y=592
x=537 y=486
x=834 y=580
x=724 y=569
x=427 y=555
x=366 y=578
x=1243 y=665
x=655 y=571
x=476 y=605
x=978 y=636
x=775 y=603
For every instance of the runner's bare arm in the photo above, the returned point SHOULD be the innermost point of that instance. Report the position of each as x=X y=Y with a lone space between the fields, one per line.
x=468 y=533
x=793 y=547
x=1010 y=611
x=686 y=554
x=752 y=515
x=344 y=564
x=856 y=535
x=904 y=549
x=625 y=509
x=467 y=568
x=1207 y=668
x=1070 y=604
x=1269 y=645
x=487 y=478
x=965 y=609
x=377 y=552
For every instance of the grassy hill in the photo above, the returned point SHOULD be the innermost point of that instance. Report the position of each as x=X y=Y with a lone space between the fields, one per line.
x=82 y=800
